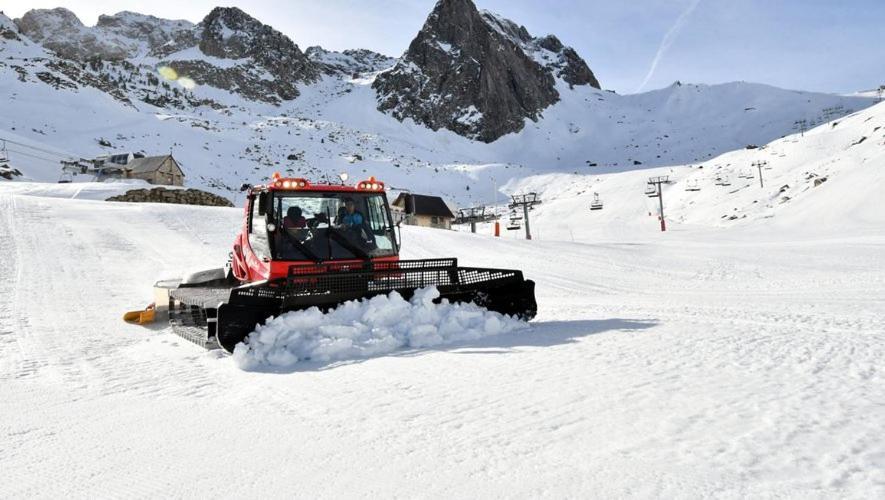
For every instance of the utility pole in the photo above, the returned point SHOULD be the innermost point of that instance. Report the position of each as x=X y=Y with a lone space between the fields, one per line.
x=471 y=215
x=655 y=191
x=800 y=125
x=759 y=165
x=497 y=223
x=526 y=201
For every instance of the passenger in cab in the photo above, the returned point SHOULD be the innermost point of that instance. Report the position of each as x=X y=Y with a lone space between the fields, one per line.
x=294 y=219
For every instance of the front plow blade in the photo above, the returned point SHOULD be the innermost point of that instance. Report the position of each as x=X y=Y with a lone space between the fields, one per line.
x=327 y=285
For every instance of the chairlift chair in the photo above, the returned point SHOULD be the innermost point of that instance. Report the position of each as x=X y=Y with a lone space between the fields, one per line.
x=596 y=204
x=692 y=185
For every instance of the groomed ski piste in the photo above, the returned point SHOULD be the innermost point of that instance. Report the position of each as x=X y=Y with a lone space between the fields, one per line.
x=713 y=360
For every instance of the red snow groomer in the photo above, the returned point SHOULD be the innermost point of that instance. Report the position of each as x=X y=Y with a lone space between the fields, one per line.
x=304 y=244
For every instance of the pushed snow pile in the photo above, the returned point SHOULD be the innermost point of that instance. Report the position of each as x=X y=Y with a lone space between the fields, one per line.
x=366 y=328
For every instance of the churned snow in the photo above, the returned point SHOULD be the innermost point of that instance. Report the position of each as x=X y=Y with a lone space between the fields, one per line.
x=367 y=328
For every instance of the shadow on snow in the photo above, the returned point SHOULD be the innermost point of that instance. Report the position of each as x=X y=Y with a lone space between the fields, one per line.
x=541 y=334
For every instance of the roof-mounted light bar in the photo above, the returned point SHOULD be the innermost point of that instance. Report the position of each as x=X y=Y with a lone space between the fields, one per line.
x=280 y=182
x=371 y=185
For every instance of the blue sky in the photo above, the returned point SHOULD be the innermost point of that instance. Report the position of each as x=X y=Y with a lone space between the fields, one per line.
x=821 y=45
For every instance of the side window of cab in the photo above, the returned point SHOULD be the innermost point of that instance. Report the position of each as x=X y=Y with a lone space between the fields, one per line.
x=258 y=229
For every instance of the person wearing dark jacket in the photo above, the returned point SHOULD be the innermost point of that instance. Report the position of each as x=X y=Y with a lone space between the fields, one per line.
x=294 y=219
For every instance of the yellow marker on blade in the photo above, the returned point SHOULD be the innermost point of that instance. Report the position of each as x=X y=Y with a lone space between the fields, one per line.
x=141 y=317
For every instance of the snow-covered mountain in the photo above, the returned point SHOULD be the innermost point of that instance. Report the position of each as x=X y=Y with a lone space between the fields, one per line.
x=820 y=181
x=234 y=99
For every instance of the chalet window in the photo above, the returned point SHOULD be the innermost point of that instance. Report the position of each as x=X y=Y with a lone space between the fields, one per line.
x=434 y=220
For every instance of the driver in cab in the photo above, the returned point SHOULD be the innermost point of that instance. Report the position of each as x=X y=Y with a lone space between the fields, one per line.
x=351 y=218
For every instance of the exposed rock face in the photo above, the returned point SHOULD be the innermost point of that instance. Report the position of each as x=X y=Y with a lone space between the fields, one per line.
x=230 y=33
x=62 y=32
x=246 y=81
x=263 y=64
x=175 y=196
x=477 y=74
x=8 y=29
x=349 y=62
x=8 y=173
x=160 y=36
x=547 y=51
x=123 y=35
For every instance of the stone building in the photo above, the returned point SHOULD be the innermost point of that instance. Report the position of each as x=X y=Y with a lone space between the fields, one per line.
x=161 y=170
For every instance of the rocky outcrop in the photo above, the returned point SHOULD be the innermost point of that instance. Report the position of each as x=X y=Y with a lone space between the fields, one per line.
x=230 y=33
x=62 y=32
x=9 y=173
x=349 y=62
x=175 y=196
x=123 y=35
x=564 y=62
x=264 y=65
x=8 y=29
x=476 y=74
x=160 y=36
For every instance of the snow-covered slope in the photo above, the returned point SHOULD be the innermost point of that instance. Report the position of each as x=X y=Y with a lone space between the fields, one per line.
x=727 y=363
x=827 y=180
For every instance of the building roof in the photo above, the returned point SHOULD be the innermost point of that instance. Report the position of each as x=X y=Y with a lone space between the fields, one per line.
x=420 y=204
x=149 y=164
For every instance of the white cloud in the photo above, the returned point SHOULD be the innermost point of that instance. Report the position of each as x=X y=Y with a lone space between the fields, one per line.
x=668 y=40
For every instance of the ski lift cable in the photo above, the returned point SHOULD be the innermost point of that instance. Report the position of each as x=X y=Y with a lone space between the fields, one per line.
x=17 y=149
x=50 y=160
x=35 y=148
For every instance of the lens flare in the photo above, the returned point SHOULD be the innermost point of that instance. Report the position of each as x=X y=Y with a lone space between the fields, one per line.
x=187 y=83
x=167 y=73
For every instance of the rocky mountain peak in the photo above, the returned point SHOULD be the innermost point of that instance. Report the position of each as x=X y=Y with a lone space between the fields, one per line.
x=8 y=29
x=156 y=33
x=117 y=37
x=348 y=62
x=477 y=74
x=61 y=31
x=230 y=33
x=548 y=51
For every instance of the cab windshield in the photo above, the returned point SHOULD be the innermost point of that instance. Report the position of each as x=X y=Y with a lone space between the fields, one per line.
x=330 y=226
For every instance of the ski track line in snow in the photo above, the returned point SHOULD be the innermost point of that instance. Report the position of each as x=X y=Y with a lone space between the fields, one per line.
x=9 y=271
